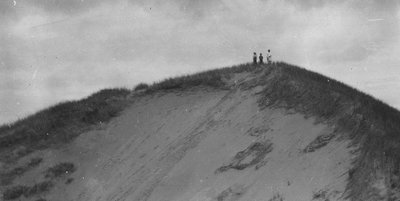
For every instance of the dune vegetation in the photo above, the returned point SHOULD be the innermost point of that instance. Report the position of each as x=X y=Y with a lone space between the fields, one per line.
x=63 y=122
x=60 y=123
x=372 y=126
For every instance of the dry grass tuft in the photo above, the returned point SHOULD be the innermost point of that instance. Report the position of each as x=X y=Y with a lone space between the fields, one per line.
x=7 y=177
x=20 y=190
x=60 y=170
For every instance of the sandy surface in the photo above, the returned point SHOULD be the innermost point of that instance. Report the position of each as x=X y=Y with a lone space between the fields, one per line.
x=168 y=147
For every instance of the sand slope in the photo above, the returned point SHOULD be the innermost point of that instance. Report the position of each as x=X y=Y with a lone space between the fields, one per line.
x=202 y=145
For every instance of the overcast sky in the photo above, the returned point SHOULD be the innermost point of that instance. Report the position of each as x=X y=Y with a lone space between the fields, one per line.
x=56 y=50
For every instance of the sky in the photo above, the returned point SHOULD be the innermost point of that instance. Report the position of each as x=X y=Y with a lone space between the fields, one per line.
x=57 y=50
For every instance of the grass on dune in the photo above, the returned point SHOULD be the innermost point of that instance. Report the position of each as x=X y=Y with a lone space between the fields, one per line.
x=211 y=78
x=61 y=123
x=27 y=191
x=8 y=176
x=65 y=121
x=59 y=170
x=372 y=125
x=51 y=175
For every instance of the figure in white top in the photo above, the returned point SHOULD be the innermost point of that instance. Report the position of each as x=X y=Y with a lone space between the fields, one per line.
x=269 y=57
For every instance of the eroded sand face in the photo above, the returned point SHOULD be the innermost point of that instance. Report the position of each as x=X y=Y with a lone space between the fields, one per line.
x=169 y=147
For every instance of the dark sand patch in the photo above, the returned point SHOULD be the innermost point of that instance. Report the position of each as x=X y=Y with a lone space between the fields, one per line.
x=232 y=193
x=252 y=155
x=319 y=142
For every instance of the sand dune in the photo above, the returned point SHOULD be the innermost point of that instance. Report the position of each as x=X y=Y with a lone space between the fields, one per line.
x=204 y=144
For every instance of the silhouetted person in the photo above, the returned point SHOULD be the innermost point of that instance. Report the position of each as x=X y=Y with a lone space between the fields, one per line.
x=261 y=58
x=255 y=58
x=269 y=57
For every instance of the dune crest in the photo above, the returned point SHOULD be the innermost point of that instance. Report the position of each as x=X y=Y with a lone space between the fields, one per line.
x=264 y=132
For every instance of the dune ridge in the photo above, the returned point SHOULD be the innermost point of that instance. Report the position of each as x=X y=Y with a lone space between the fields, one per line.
x=248 y=132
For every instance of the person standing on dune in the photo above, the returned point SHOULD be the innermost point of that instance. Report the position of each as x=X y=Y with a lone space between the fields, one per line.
x=269 y=56
x=255 y=58
x=261 y=58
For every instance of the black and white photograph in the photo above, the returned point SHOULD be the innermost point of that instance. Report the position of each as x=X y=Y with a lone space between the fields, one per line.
x=199 y=100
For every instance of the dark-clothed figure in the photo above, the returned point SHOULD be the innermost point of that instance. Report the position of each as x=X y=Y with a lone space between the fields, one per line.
x=261 y=58
x=255 y=58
